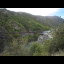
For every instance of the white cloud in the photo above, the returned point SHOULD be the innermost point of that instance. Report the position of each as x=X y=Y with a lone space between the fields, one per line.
x=62 y=17
x=36 y=11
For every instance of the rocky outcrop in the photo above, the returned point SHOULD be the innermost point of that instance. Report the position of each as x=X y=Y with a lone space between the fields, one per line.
x=45 y=36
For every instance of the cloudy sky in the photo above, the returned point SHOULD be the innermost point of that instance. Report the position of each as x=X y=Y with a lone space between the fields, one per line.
x=41 y=11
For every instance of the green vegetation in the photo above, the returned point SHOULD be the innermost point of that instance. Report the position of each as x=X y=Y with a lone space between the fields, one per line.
x=12 y=28
x=36 y=49
x=51 y=21
x=19 y=33
x=58 y=40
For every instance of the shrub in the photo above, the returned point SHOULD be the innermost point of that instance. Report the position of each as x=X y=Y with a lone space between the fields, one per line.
x=46 y=48
x=57 y=43
x=16 y=49
x=58 y=40
x=37 y=49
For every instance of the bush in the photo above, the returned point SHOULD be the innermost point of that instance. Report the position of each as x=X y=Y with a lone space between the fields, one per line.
x=24 y=40
x=60 y=53
x=58 y=40
x=37 y=49
x=46 y=48
x=33 y=37
x=57 y=43
x=16 y=48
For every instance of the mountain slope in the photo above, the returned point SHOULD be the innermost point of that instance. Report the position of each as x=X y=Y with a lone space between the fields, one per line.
x=15 y=25
x=52 y=21
x=12 y=26
x=17 y=20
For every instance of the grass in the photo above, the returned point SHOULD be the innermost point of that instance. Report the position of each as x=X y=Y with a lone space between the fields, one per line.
x=60 y=53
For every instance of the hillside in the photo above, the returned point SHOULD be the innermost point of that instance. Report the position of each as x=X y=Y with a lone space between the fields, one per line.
x=15 y=28
x=51 y=21
x=13 y=25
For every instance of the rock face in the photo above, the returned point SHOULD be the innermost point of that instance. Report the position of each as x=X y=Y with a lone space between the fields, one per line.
x=45 y=36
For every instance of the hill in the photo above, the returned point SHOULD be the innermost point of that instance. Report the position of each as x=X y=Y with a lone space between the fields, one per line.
x=16 y=26
x=51 y=21
x=13 y=25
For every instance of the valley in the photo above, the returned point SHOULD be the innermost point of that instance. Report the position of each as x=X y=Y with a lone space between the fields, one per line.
x=24 y=34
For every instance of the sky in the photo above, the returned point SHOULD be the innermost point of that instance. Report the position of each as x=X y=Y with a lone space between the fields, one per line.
x=41 y=11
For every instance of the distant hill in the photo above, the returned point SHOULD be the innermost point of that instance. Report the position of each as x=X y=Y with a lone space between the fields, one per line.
x=52 y=21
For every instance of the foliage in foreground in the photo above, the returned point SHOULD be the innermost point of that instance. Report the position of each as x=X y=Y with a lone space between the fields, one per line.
x=52 y=47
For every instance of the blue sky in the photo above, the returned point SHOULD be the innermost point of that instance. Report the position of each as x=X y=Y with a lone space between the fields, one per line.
x=41 y=11
x=60 y=12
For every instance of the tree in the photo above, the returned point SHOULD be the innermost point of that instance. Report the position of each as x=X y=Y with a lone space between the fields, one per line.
x=58 y=40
